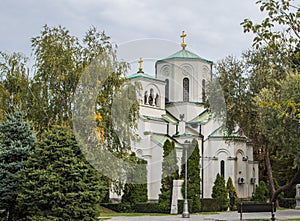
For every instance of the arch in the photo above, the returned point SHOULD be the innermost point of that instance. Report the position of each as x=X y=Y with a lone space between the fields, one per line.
x=186 y=89
x=151 y=97
x=187 y=69
x=156 y=100
x=224 y=151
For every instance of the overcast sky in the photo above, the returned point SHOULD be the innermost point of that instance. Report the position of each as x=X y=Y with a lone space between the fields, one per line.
x=213 y=26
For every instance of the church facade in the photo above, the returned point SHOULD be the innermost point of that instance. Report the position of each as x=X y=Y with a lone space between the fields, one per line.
x=172 y=107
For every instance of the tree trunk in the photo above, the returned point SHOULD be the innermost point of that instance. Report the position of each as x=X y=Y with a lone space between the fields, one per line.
x=270 y=174
x=274 y=192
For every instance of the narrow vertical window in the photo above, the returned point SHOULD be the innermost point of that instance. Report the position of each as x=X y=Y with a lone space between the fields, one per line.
x=186 y=88
x=167 y=91
x=151 y=97
x=156 y=101
x=222 y=169
x=203 y=90
x=146 y=98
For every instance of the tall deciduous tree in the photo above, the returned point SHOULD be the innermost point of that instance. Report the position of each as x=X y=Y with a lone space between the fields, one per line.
x=58 y=63
x=275 y=58
x=58 y=183
x=16 y=143
x=14 y=83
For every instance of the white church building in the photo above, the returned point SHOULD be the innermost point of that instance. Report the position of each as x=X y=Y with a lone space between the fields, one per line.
x=172 y=107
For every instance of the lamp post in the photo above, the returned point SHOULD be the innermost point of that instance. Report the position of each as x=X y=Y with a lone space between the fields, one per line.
x=185 y=213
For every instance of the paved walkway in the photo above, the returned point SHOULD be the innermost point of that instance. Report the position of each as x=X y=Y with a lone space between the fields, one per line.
x=279 y=215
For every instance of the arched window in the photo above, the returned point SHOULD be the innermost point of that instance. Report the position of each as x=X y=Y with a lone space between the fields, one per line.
x=186 y=88
x=151 y=97
x=203 y=90
x=167 y=91
x=222 y=168
x=156 y=101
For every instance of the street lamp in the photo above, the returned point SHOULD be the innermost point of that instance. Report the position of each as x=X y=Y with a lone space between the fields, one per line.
x=185 y=213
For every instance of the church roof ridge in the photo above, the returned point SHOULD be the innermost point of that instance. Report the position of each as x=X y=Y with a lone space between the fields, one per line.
x=184 y=54
x=221 y=132
x=141 y=74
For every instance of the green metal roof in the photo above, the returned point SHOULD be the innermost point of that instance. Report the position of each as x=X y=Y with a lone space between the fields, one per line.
x=161 y=138
x=202 y=118
x=170 y=118
x=154 y=118
x=141 y=74
x=185 y=54
x=221 y=132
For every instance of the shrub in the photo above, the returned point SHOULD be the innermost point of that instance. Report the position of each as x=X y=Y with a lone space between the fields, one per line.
x=219 y=191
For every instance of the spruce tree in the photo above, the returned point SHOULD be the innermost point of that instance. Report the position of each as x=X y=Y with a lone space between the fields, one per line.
x=16 y=143
x=219 y=191
x=193 y=175
x=232 y=194
x=58 y=183
x=135 y=190
x=169 y=173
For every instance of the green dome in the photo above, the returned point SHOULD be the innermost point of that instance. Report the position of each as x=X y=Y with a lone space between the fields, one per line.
x=185 y=54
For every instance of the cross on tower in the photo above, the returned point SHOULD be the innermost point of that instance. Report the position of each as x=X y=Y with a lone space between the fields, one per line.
x=141 y=65
x=183 y=35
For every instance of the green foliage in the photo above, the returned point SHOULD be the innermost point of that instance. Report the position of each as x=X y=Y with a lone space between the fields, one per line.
x=169 y=173
x=16 y=143
x=232 y=194
x=262 y=193
x=134 y=193
x=219 y=191
x=14 y=84
x=280 y=27
x=194 y=180
x=58 y=183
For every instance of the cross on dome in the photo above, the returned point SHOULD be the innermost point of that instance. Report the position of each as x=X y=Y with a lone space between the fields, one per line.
x=141 y=65
x=183 y=44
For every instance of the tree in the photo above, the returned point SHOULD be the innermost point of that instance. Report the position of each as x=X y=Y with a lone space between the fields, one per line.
x=262 y=193
x=219 y=191
x=280 y=33
x=136 y=192
x=232 y=194
x=279 y=113
x=193 y=175
x=276 y=57
x=58 y=183
x=169 y=173
x=16 y=144
x=14 y=83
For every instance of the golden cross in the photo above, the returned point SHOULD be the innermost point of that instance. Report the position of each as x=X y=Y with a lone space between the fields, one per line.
x=183 y=44
x=141 y=65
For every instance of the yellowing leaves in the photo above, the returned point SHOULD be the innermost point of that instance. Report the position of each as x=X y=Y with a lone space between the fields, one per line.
x=98 y=117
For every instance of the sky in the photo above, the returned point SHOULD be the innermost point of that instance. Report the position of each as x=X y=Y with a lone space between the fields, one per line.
x=212 y=26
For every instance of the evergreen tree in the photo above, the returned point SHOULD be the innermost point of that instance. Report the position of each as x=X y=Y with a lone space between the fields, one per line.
x=219 y=191
x=16 y=144
x=136 y=192
x=169 y=173
x=232 y=194
x=57 y=183
x=194 y=180
x=262 y=193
